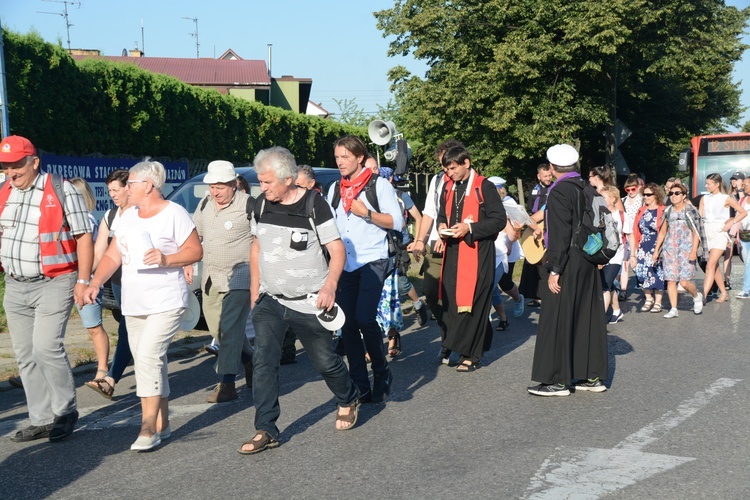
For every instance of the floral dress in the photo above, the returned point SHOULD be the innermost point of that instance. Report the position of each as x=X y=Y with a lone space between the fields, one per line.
x=676 y=248
x=650 y=274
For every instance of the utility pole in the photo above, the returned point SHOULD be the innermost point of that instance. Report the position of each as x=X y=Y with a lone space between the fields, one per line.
x=3 y=91
x=64 y=14
x=197 y=43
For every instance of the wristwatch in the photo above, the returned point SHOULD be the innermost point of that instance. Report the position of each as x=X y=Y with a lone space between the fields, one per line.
x=554 y=273
x=368 y=217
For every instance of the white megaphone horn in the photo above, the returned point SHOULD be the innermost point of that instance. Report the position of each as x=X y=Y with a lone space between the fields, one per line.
x=381 y=132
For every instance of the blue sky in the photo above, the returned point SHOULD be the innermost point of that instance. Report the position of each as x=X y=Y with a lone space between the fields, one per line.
x=334 y=42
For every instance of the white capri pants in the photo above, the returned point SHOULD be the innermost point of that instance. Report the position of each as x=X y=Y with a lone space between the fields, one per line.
x=149 y=337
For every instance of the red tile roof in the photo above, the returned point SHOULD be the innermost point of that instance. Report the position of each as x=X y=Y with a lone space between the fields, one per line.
x=208 y=72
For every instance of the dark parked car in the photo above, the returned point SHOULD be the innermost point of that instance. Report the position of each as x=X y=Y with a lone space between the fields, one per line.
x=192 y=191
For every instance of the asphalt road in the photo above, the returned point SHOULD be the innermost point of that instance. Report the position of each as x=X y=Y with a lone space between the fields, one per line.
x=673 y=425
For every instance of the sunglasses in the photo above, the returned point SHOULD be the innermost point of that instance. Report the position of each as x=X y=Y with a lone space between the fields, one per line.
x=675 y=193
x=631 y=189
x=648 y=194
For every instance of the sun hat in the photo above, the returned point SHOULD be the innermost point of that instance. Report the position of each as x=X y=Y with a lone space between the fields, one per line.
x=220 y=171
x=562 y=155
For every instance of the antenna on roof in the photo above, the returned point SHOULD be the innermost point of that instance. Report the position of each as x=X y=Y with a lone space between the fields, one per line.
x=64 y=14
x=143 y=39
x=197 y=44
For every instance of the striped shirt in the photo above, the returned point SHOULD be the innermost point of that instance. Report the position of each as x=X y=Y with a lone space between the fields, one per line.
x=19 y=226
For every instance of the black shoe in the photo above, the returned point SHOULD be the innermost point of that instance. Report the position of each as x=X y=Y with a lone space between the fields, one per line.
x=422 y=315
x=381 y=387
x=502 y=325
x=63 y=426
x=212 y=349
x=31 y=433
x=338 y=346
x=365 y=397
x=287 y=359
x=249 y=374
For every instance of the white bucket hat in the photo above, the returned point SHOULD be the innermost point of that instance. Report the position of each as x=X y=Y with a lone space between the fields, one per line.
x=220 y=171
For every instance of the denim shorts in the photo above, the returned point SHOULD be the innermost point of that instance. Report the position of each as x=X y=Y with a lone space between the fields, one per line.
x=91 y=314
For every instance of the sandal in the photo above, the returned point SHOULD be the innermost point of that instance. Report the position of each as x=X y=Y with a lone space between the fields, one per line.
x=656 y=308
x=723 y=297
x=261 y=442
x=101 y=385
x=467 y=366
x=502 y=325
x=647 y=305
x=351 y=418
x=394 y=338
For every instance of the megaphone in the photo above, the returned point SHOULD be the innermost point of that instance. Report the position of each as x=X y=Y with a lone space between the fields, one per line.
x=381 y=132
x=391 y=152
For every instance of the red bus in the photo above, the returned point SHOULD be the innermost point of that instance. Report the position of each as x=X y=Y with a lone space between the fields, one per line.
x=723 y=154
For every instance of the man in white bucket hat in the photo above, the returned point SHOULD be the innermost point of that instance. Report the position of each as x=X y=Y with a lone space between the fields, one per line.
x=222 y=222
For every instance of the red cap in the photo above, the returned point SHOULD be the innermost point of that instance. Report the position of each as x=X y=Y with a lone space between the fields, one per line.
x=14 y=148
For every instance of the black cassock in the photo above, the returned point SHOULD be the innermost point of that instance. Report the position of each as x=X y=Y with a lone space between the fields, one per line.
x=470 y=334
x=571 y=342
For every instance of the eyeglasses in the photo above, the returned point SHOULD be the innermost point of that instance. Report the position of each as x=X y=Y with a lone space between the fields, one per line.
x=675 y=193
x=648 y=194
x=631 y=189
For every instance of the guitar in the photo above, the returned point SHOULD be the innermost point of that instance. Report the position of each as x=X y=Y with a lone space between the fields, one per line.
x=533 y=248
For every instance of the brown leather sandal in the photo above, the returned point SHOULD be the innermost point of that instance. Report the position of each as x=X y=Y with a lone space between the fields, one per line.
x=261 y=442
x=101 y=386
x=351 y=418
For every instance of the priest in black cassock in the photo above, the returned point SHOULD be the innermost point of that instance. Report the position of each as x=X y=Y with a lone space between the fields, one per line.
x=571 y=343
x=471 y=214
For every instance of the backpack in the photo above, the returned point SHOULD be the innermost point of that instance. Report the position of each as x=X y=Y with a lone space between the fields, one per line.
x=248 y=207
x=260 y=206
x=395 y=238
x=596 y=236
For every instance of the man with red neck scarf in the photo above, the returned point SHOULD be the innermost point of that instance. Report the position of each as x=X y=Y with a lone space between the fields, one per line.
x=363 y=230
x=470 y=216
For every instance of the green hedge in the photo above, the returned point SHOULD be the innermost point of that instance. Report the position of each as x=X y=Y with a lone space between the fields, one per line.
x=96 y=106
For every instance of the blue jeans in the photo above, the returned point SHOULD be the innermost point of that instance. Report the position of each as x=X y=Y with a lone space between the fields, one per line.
x=745 y=249
x=271 y=320
x=358 y=296
x=122 y=352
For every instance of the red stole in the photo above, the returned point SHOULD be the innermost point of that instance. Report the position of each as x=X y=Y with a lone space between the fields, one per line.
x=468 y=255
x=350 y=188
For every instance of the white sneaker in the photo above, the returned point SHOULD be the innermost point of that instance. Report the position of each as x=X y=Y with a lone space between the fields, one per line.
x=672 y=313
x=698 y=304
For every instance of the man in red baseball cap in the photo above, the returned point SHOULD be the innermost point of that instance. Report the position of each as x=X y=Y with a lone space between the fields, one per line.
x=47 y=251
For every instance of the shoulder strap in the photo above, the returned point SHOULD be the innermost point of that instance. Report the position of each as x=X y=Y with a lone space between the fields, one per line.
x=203 y=203
x=249 y=207
x=336 y=196
x=371 y=192
x=57 y=184
x=111 y=216
x=259 y=205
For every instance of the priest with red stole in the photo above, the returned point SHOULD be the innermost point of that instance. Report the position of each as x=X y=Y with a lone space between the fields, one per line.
x=470 y=216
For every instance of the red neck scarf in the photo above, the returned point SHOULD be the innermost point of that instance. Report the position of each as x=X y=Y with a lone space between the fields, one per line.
x=468 y=255
x=350 y=188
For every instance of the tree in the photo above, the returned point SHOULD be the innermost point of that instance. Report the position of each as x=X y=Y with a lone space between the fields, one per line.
x=512 y=78
x=350 y=113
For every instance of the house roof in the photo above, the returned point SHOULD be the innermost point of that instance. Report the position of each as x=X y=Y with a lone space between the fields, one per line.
x=207 y=72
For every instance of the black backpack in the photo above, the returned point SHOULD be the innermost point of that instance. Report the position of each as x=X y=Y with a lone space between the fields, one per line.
x=596 y=236
x=396 y=247
x=260 y=206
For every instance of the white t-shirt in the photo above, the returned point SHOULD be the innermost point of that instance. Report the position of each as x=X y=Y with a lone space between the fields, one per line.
x=159 y=289
x=620 y=254
x=501 y=250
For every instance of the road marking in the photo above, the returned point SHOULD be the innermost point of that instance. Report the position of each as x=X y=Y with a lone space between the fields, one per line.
x=588 y=473
x=127 y=416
